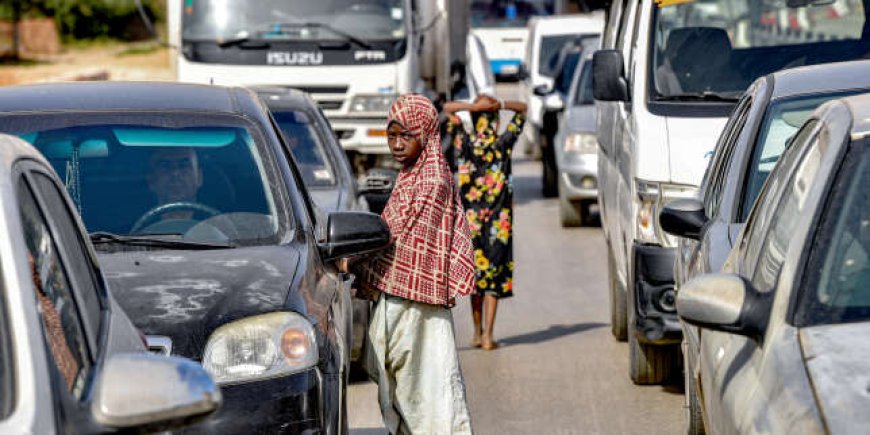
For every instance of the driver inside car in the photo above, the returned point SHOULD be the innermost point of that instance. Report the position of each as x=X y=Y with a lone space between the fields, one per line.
x=174 y=176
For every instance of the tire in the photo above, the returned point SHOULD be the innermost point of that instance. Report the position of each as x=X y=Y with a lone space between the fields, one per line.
x=650 y=364
x=618 y=304
x=570 y=213
x=694 y=419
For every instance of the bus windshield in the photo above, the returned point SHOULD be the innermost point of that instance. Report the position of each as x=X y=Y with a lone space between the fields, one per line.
x=294 y=19
x=512 y=13
x=711 y=50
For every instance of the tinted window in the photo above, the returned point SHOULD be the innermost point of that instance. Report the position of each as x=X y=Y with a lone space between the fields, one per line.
x=721 y=46
x=550 y=47
x=199 y=178
x=307 y=147
x=566 y=72
x=783 y=119
x=584 y=87
x=58 y=309
x=839 y=271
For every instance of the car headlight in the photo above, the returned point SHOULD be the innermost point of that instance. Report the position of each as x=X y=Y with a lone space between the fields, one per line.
x=260 y=347
x=581 y=143
x=651 y=197
x=372 y=103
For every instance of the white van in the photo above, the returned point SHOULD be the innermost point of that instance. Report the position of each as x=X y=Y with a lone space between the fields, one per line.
x=665 y=82
x=547 y=36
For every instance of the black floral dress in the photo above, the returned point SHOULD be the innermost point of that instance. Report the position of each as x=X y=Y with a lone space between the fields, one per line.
x=483 y=166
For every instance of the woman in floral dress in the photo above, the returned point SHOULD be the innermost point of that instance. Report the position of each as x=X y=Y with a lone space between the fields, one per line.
x=483 y=160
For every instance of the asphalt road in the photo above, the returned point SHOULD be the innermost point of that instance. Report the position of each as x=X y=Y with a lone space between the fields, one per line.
x=559 y=371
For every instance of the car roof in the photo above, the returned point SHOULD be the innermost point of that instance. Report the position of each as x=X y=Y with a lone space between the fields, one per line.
x=829 y=77
x=13 y=149
x=568 y=24
x=281 y=97
x=859 y=107
x=131 y=96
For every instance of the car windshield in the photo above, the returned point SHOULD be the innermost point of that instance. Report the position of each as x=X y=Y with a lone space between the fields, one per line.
x=838 y=290
x=718 y=47
x=508 y=13
x=783 y=119
x=307 y=147
x=185 y=177
x=584 y=87
x=293 y=19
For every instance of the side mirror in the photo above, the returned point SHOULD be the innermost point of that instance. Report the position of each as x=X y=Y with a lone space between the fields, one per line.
x=724 y=303
x=554 y=103
x=350 y=233
x=376 y=184
x=147 y=392
x=684 y=218
x=608 y=76
x=542 y=90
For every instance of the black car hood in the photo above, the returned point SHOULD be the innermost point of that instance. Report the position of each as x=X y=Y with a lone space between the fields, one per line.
x=186 y=295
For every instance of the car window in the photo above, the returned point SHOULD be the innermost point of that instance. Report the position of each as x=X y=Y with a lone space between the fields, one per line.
x=781 y=122
x=550 y=47
x=307 y=146
x=756 y=224
x=584 y=87
x=196 y=177
x=75 y=255
x=58 y=310
x=837 y=290
x=784 y=218
x=718 y=169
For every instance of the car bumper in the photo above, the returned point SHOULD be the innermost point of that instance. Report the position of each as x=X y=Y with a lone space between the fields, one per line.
x=291 y=404
x=579 y=176
x=656 y=320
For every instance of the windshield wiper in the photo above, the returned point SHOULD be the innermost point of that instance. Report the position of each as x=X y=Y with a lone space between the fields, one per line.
x=154 y=241
x=319 y=25
x=244 y=42
x=700 y=96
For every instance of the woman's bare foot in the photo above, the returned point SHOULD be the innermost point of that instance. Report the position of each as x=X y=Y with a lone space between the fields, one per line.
x=487 y=343
x=477 y=341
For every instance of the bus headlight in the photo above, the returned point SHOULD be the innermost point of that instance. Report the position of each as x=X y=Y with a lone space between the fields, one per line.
x=260 y=347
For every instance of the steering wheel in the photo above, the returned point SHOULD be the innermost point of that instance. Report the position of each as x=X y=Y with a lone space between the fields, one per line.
x=169 y=208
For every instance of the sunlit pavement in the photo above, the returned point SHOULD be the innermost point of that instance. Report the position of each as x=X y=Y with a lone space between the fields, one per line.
x=559 y=369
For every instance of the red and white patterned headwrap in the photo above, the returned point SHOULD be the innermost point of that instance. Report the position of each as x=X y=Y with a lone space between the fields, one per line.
x=431 y=259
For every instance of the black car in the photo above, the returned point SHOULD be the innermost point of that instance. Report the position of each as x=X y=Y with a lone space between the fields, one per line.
x=325 y=169
x=757 y=133
x=209 y=239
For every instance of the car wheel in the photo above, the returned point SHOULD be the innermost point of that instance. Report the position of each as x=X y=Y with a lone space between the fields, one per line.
x=618 y=305
x=694 y=418
x=570 y=213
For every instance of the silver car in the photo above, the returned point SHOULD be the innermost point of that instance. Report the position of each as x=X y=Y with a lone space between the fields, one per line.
x=783 y=342
x=577 y=148
x=70 y=359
